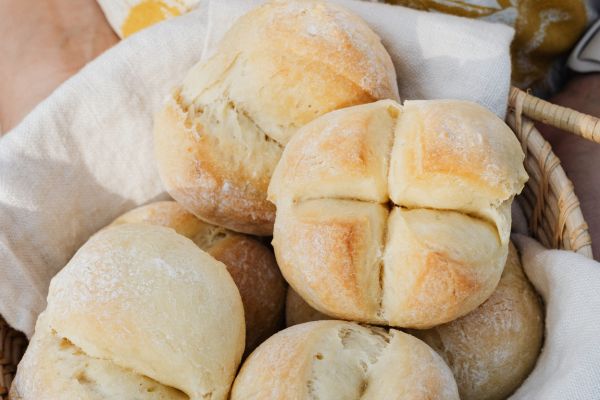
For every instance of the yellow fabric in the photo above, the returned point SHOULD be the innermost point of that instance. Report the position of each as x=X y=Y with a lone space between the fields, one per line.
x=146 y=13
x=544 y=29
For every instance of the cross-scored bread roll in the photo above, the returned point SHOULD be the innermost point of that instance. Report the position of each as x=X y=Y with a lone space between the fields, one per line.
x=251 y=264
x=358 y=242
x=221 y=133
x=140 y=299
x=343 y=360
x=492 y=349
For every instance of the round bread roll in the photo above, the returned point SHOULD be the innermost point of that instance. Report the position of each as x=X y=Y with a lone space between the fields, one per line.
x=145 y=300
x=397 y=215
x=343 y=360
x=251 y=264
x=298 y=311
x=492 y=349
x=221 y=133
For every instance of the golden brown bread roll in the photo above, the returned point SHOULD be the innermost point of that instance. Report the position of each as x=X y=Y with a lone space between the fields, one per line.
x=251 y=264
x=145 y=300
x=222 y=132
x=343 y=360
x=492 y=349
x=397 y=215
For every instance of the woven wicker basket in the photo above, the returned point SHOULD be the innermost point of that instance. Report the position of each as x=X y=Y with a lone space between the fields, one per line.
x=548 y=200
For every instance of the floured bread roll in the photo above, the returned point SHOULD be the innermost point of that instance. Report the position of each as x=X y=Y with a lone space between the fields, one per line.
x=222 y=132
x=397 y=215
x=298 y=311
x=343 y=360
x=251 y=264
x=148 y=302
x=492 y=349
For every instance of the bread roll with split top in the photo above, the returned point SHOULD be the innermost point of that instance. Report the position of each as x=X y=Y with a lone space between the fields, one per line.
x=397 y=215
x=346 y=361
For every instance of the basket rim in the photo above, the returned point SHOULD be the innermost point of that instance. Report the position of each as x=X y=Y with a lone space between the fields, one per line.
x=568 y=229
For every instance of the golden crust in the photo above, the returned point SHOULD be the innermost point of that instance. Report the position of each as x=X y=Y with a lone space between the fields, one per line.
x=446 y=238
x=251 y=264
x=329 y=251
x=343 y=360
x=492 y=349
x=357 y=142
x=253 y=268
x=310 y=57
x=455 y=155
x=279 y=67
x=438 y=266
x=202 y=177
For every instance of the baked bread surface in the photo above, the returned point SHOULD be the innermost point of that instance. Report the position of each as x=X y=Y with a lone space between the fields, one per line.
x=145 y=300
x=494 y=348
x=397 y=215
x=343 y=360
x=251 y=264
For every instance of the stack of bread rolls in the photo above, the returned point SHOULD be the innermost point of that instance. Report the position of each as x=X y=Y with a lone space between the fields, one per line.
x=382 y=213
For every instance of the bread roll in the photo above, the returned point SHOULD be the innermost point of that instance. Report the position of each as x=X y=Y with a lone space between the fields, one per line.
x=145 y=300
x=358 y=243
x=343 y=360
x=297 y=311
x=221 y=133
x=492 y=349
x=251 y=264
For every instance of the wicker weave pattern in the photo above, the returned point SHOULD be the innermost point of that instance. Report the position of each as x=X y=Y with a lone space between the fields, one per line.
x=548 y=200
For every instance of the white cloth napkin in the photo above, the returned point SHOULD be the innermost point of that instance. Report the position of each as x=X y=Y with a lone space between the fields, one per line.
x=569 y=365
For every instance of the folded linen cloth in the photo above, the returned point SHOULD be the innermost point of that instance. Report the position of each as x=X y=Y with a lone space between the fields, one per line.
x=569 y=283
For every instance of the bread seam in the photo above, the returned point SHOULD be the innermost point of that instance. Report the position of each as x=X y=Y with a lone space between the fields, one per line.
x=53 y=332
x=393 y=205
